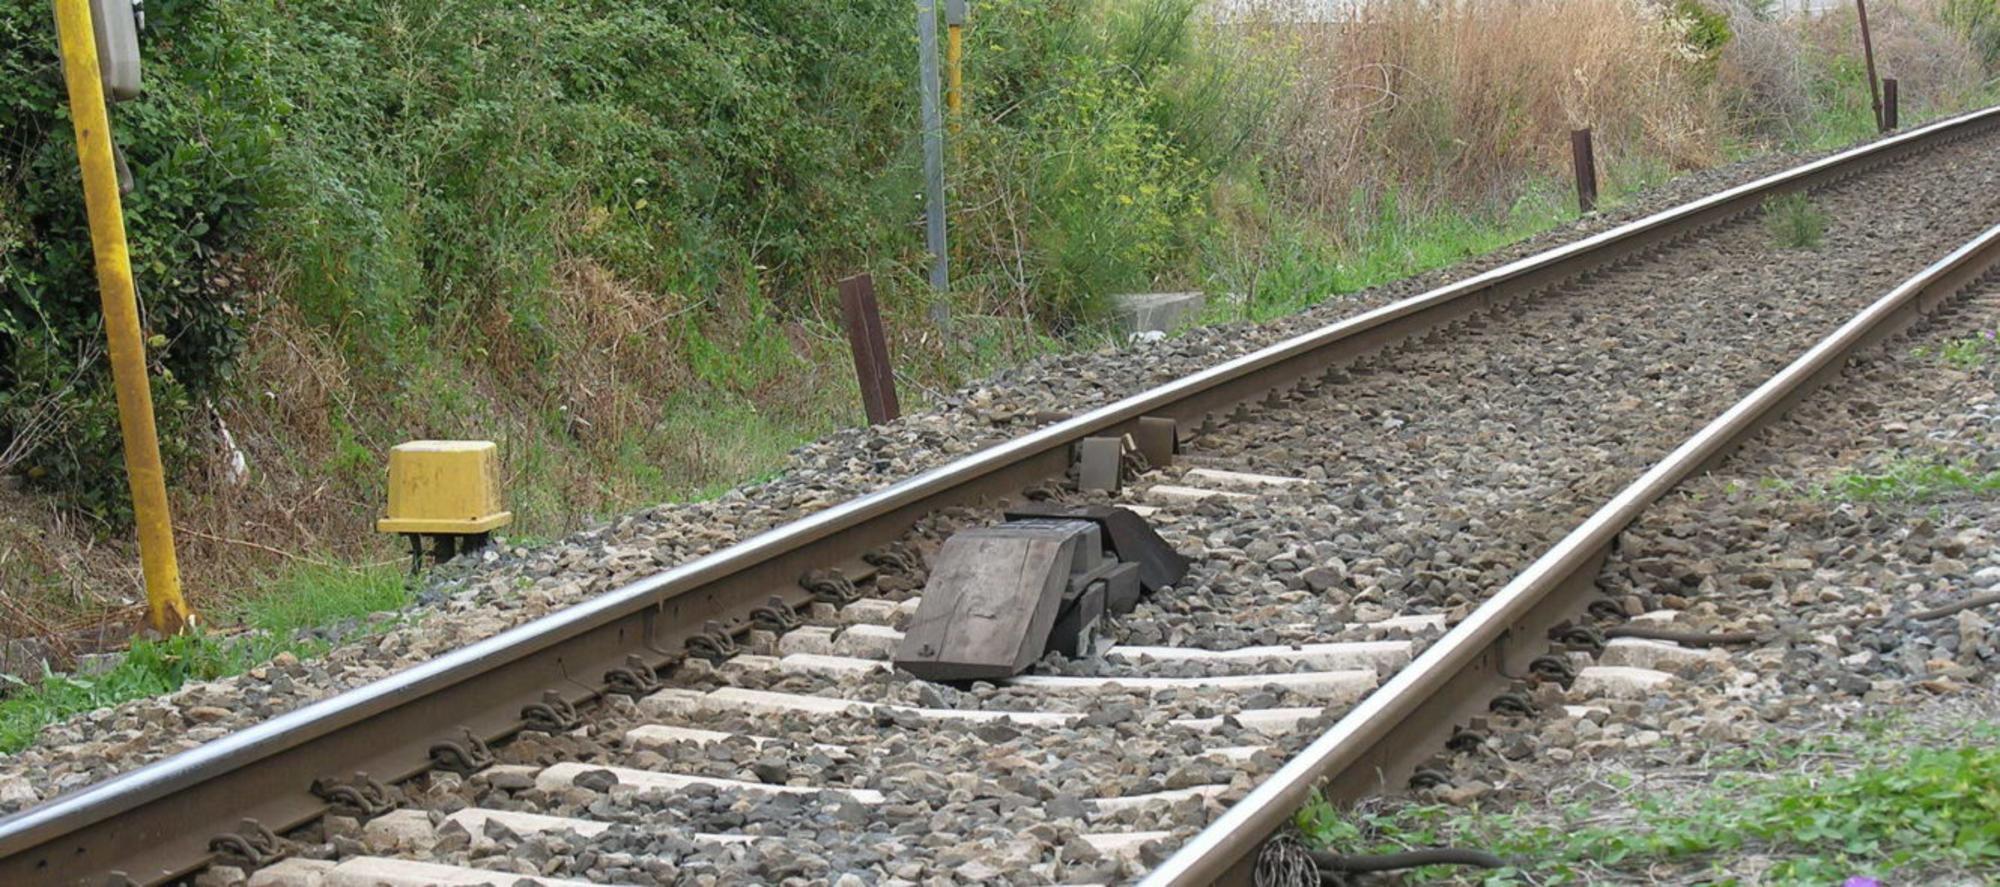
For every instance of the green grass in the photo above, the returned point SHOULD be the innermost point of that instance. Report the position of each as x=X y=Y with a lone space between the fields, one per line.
x=307 y=598
x=1914 y=480
x=1300 y=267
x=316 y=595
x=1968 y=353
x=1793 y=221
x=1869 y=803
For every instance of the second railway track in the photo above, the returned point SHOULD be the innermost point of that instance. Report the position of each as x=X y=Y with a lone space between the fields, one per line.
x=1344 y=509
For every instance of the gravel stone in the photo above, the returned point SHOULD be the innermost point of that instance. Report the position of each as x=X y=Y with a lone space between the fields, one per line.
x=1830 y=584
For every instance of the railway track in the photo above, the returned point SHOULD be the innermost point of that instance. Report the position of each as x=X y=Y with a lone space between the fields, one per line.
x=1350 y=498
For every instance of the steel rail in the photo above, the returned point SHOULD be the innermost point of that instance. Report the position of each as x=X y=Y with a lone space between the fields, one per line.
x=155 y=823
x=1373 y=739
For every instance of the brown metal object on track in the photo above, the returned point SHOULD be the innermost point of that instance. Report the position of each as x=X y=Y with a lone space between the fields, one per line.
x=1410 y=717
x=871 y=349
x=155 y=823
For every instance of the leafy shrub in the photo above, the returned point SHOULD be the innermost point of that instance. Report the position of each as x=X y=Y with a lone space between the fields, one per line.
x=199 y=144
x=451 y=155
x=1097 y=132
x=415 y=180
x=1703 y=32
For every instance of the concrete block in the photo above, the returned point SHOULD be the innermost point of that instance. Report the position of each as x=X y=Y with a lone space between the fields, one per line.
x=1155 y=312
x=830 y=666
x=1618 y=682
x=1172 y=494
x=1215 y=478
x=1108 y=806
x=294 y=872
x=375 y=871
x=810 y=639
x=872 y=610
x=1332 y=685
x=1268 y=721
x=562 y=776
x=474 y=820
x=1412 y=623
x=868 y=642
x=1123 y=845
x=1640 y=653
x=671 y=700
x=407 y=831
x=1098 y=463
x=1382 y=656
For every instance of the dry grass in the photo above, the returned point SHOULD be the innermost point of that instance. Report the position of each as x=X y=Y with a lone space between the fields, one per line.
x=1460 y=101
x=1937 y=66
x=1782 y=76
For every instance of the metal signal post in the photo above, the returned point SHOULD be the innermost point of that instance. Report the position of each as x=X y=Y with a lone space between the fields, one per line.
x=167 y=612
x=933 y=121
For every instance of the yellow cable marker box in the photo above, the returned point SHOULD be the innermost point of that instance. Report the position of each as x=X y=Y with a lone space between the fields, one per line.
x=444 y=486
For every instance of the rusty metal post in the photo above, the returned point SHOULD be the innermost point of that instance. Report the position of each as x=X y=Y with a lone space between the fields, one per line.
x=871 y=349
x=1889 y=115
x=1868 y=56
x=1586 y=170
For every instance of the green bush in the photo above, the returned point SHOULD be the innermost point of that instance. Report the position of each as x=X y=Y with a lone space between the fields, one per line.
x=200 y=147
x=1100 y=129
x=448 y=148
x=406 y=172
x=1704 y=34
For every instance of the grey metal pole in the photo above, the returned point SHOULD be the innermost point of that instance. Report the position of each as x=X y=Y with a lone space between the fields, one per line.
x=927 y=38
x=934 y=235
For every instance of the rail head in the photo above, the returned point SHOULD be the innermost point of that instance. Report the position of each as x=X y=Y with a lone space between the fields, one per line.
x=35 y=827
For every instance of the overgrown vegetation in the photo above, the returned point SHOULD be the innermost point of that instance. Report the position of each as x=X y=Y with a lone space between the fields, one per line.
x=1888 y=805
x=1967 y=353
x=1793 y=221
x=291 y=616
x=1916 y=479
x=604 y=234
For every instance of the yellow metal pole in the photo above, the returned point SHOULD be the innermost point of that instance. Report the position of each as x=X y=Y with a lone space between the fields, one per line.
x=166 y=611
x=954 y=56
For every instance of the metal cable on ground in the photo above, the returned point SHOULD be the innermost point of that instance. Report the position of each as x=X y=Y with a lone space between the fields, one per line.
x=1355 y=863
x=1284 y=861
